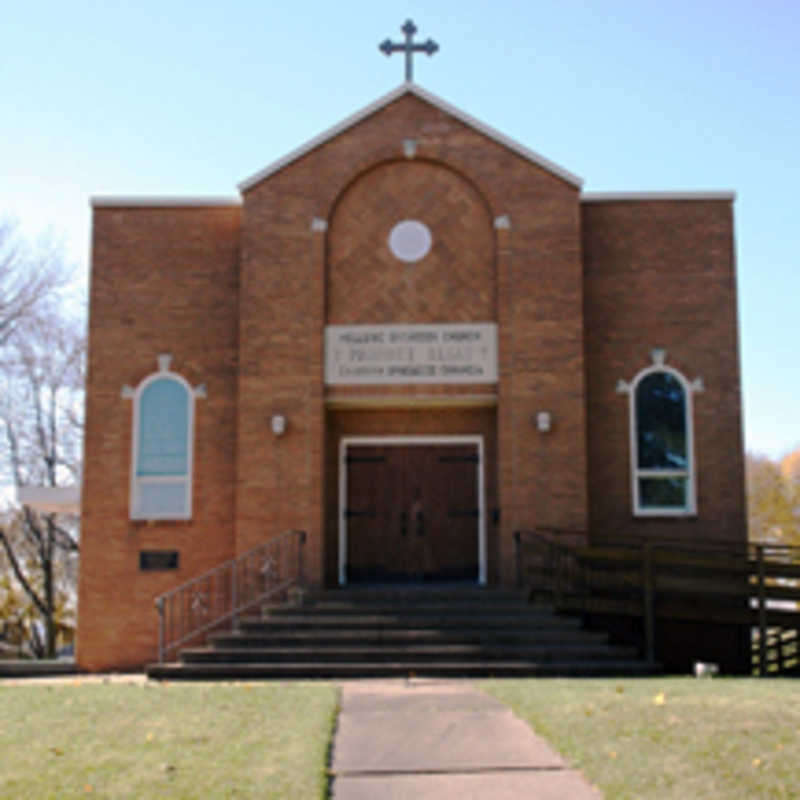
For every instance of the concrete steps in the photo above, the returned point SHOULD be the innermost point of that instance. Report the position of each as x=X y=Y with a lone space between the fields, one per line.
x=441 y=631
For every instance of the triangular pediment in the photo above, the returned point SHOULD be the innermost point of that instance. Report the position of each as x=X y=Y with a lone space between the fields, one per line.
x=427 y=97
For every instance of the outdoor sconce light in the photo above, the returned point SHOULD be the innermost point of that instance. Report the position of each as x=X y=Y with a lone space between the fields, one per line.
x=278 y=424
x=543 y=421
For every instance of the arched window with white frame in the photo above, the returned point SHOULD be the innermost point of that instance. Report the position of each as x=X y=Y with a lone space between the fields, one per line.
x=662 y=440
x=162 y=447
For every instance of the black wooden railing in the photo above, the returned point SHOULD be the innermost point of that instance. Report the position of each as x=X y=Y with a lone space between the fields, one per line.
x=756 y=585
x=219 y=596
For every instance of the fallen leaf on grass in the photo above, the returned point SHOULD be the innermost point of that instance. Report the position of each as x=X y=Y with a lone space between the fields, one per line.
x=88 y=789
x=612 y=754
x=659 y=699
x=150 y=736
x=756 y=762
x=56 y=751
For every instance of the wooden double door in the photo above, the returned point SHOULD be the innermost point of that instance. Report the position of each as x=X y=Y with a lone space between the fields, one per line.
x=412 y=512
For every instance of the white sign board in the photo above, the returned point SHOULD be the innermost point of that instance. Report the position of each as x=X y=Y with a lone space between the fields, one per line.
x=447 y=353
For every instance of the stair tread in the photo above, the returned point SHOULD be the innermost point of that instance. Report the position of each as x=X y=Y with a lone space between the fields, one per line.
x=274 y=620
x=361 y=668
x=447 y=648
x=406 y=664
x=452 y=635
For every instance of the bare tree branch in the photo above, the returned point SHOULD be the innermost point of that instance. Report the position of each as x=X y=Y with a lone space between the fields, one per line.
x=20 y=575
x=64 y=538
x=25 y=278
x=41 y=398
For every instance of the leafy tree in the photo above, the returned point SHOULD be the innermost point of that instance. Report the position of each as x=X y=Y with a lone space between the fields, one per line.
x=22 y=623
x=773 y=498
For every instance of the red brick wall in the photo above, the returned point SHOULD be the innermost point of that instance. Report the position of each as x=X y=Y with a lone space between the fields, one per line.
x=455 y=282
x=661 y=274
x=163 y=281
x=528 y=279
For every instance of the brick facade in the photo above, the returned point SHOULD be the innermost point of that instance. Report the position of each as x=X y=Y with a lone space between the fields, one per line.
x=661 y=274
x=239 y=296
x=163 y=281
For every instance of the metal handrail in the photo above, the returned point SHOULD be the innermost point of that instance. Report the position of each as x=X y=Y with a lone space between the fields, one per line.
x=228 y=590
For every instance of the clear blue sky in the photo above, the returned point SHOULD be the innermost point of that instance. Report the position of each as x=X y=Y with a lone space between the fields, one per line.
x=177 y=97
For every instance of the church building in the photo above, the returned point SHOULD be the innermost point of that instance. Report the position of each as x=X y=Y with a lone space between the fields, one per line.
x=410 y=338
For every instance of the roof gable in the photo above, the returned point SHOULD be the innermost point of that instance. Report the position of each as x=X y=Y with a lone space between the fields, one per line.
x=411 y=88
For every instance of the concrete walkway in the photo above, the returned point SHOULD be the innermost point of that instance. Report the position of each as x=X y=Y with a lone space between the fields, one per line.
x=431 y=740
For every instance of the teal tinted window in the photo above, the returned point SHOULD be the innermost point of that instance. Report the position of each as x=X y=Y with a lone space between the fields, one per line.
x=163 y=429
x=661 y=422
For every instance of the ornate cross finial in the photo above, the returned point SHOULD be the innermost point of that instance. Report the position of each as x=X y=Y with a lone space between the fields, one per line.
x=409 y=29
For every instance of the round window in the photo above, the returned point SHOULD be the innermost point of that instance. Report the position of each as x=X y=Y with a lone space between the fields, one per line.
x=410 y=240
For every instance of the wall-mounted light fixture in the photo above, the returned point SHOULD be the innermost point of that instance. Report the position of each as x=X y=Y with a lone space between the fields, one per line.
x=543 y=421
x=278 y=424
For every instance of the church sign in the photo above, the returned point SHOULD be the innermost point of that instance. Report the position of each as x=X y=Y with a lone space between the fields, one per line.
x=446 y=353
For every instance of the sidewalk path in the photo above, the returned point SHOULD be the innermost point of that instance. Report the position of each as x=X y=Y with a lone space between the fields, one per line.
x=431 y=740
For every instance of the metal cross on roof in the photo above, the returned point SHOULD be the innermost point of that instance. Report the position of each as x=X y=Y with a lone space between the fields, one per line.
x=409 y=29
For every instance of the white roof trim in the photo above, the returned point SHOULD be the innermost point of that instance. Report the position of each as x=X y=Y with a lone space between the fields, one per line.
x=163 y=201
x=623 y=197
x=51 y=499
x=410 y=88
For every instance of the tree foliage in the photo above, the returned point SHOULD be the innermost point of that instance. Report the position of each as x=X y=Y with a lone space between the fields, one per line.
x=24 y=615
x=773 y=498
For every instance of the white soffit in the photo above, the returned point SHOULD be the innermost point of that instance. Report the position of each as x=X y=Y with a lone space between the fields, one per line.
x=411 y=88
x=51 y=499
x=638 y=197
x=163 y=201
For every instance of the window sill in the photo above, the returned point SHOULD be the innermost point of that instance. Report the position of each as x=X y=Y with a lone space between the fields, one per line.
x=665 y=513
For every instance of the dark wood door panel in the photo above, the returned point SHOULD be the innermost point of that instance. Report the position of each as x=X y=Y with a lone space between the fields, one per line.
x=369 y=487
x=412 y=512
x=457 y=510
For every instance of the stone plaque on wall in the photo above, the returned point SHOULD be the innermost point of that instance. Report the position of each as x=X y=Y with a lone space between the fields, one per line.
x=446 y=353
x=158 y=560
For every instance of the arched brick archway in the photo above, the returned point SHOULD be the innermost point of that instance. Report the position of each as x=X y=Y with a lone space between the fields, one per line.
x=455 y=281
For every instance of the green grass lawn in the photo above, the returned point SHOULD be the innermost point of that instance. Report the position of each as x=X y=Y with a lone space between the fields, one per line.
x=69 y=740
x=677 y=738
x=657 y=738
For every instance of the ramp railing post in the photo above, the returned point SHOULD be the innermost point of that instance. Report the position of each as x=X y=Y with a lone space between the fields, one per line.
x=234 y=592
x=762 y=613
x=160 y=609
x=301 y=558
x=649 y=606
